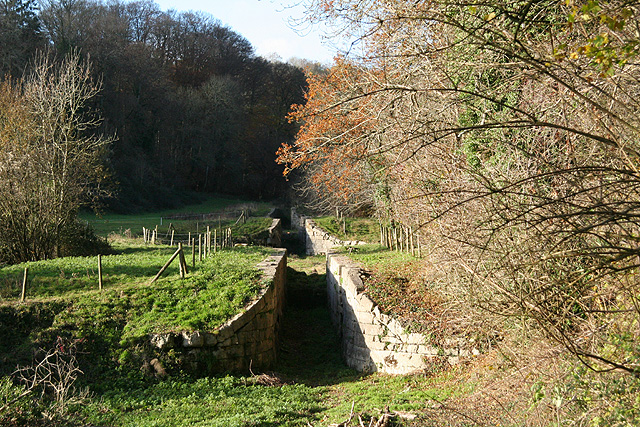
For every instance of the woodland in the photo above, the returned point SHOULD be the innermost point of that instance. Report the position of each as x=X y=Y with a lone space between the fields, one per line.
x=121 y=106
x=185 y=100
x=506 y=134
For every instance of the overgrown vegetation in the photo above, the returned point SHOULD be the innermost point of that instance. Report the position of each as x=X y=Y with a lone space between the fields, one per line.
x=395 y=281
x=194 y=109
x=51 y=162
x=506 y=135
x=311 y=384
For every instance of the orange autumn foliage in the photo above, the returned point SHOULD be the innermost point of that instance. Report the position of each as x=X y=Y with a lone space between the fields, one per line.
x=330 y=144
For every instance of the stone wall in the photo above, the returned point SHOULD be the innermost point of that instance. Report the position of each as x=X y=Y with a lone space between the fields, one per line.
x=275 y=233
x=373 y=341
x=317 y=241
x=246 y=341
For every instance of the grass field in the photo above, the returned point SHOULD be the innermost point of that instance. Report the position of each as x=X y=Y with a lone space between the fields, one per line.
x=364 y=229
x=107 y=223
x=309 y=386
x=215 y=289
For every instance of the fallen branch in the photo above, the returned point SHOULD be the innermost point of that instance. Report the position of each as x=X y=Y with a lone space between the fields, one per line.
x=346 y=423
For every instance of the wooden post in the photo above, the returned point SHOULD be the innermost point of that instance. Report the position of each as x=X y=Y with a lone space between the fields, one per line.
x=172 y=234
x=200 y=247
x=193 y=251
x=164 y=267
x=204 y=246
x=215 y=240
x=182 y=262
x=23 y=295
x=208 y=251
x=99 y=272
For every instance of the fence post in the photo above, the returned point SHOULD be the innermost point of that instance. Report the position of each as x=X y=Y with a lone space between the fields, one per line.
x=23 y=295
x=200 y=247
x=182 y=261
x=193 y=251
x=99 y=271
x=164 y=267
x=208 y=241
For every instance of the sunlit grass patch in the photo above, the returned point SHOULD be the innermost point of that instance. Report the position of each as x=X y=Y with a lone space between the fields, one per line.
x=364 y=229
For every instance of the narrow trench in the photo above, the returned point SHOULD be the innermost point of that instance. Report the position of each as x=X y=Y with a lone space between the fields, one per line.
x=309 y=351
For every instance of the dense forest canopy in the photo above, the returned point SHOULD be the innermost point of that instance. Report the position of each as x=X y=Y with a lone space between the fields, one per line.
x=190 y=104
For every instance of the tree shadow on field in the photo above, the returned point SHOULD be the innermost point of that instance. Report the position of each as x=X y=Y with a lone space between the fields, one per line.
x=310 y=349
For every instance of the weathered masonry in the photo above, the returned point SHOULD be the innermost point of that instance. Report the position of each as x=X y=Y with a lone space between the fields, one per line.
x=374 y=341
x=371 y=340
x=246 y=341
x=316 y=240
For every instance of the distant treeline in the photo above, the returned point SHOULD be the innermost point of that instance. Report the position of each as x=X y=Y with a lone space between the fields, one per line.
x=192 y=106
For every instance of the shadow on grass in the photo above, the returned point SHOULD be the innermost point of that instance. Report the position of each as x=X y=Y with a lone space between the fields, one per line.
x=310 y=349
x=130 y=250
x=50 y=283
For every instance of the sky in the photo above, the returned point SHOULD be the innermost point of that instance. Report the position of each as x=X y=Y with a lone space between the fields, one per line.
x=266 y=24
